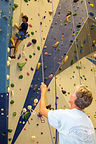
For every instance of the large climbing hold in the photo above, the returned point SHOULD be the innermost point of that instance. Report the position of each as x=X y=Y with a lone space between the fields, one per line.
x=21 y=65
x=65 y=59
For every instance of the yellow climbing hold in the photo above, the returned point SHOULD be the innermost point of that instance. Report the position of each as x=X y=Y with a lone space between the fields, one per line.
x=56 y=44
x=93 y=41
x=95 y=55
x=38 y=66
x=94 y=70
x=50 y=12
x=92 y=5
x=33 y=137
x=67 y=18
x=65 y=59
x=35 y=101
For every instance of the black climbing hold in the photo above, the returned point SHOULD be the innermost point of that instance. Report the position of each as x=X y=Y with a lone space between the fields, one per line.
x=48 y=106
x=75 y=1
x=63 y=91
x=34 y=41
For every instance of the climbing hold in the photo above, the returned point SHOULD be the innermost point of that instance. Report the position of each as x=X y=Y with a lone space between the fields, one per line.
x=46 y=53
x=35 y=101
x=26 y=115
x=92 y=5
x=29 y=107
x=33 y=137
x=63 y=91
x=34 y=41
x=94 y=56
x=50 y=76
x=14 y=114
x=12 y=101
x=56 y=44
x=65 y=59
x=74 y=14
x=30 y=56
x=21 y=77
x=8 y=77
x=19 y=56
x=9 y=130
x=45 y=78
x=72 y=62
x=38 y=47
x=12 y=85
x=8 y=50
x=67 y=18
x=24 y=110
x=38 y=66
x=45 y=47
x=30 y=25
x=78 y=67
x=8 y=63
x=45 y=67
x=21 y=65
x=50 y=12
x=91 y=14
x=8 y=89
x=29 y=44
x=32 y=33
x=75 y=1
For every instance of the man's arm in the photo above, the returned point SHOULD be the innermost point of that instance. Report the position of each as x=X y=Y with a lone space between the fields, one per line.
x=43 y=109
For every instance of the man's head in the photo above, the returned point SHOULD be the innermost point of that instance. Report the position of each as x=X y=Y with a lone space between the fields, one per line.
x=25 y=18
x=81 y=98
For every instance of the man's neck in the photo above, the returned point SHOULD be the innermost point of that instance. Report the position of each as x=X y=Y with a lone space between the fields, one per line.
x=74 y=106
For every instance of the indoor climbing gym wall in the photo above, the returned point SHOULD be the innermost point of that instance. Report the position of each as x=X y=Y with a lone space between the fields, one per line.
x=60 y=50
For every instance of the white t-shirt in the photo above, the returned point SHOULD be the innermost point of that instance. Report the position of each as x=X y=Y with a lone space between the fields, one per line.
x=74 y=126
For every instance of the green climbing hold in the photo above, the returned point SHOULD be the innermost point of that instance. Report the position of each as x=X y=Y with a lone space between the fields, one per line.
x=73 y=71
x=75 y=51
x=83 y=75
x=86 y=86
x=28 y=35
x=38 y=47
x=69 y=21
x=26 y=115
x=68 y=92
x=45 y=67
x=78 y=67
x=74 y=84
x=9 y=130
x=12 y=85
x=14 y=114
x=9 y=139
x=12 y=101
x=45 y=78
x=11 y=21
x=33 y=53
x=3 y=134
x=26 y=0
x=21 y=77
x=30 y=56
x=72 y=62
x=74 y=14
x=21 y=65
x=15 y=5
x=32 y=33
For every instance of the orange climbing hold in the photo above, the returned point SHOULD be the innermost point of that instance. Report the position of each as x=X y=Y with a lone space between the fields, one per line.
x=45 y=47
x=50 y=76
x=45 y=53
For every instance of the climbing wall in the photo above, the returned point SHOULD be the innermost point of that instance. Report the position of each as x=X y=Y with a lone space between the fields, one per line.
x=65 y=44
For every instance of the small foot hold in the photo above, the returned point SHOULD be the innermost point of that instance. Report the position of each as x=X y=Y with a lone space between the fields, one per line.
x=12 y=57
x=11 y=47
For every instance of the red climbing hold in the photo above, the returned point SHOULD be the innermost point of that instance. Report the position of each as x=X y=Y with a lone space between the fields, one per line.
x=30 y=25
x=25 y=59
x=28 y=74
x=50 y=76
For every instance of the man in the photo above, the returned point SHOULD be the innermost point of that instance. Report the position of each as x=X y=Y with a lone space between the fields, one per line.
x=21 y=35
x=73 y=125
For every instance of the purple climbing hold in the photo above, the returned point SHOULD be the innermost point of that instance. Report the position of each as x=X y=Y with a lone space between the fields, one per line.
x=19 y=56
x=29 y=44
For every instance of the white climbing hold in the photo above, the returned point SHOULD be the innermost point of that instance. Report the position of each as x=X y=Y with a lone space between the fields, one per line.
x=12 y=93
x=29 y=107
x=9 y=59
x=8 y=77
x=24 y=110
x=33 y=137
x=23 y=122
x=35 y=101
x=8 y=63
x=8 y=50
x=8 y=89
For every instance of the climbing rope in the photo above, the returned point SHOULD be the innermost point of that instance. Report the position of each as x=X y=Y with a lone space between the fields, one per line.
x=42 y=63
x=76 y=42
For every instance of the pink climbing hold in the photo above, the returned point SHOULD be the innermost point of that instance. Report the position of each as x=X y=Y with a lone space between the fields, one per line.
x=50 y=76
x=38 y=14
x=30 y=25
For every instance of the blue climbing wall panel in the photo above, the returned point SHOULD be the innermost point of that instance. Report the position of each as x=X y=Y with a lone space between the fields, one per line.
x=5 y=33
x=60 y=28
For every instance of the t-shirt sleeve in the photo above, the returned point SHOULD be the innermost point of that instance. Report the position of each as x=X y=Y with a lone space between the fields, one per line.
x=54 y=118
